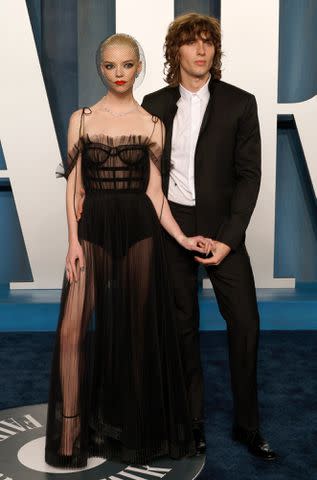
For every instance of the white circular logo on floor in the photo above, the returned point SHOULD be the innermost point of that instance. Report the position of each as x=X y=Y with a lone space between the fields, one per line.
x=22 y=455
x=31 y=455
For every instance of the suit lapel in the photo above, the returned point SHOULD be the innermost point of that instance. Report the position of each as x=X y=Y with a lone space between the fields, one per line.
x=171 y=109
x=174 y=96
x=209 y=109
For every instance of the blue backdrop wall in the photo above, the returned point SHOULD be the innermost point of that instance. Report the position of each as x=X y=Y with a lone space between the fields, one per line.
x=67 y=62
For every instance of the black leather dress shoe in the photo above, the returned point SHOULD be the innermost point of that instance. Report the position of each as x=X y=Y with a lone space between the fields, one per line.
x=255 y=443
x=199 y=436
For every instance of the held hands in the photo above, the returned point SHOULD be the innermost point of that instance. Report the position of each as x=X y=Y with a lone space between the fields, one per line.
x=74 y=257
x=198 y=243
x=219 y=252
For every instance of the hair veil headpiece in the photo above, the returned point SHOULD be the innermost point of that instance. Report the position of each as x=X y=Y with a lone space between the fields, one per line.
x=121 y=39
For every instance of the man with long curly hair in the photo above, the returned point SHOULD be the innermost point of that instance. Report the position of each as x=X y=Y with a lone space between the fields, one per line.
x=211 y=176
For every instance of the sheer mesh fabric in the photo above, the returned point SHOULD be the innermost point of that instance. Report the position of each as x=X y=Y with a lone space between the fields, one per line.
x=117 y=388
x=114 y=149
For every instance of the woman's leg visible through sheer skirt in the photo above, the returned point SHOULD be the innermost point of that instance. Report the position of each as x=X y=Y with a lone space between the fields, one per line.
x=137 y=266
x=159 y=417
x=77 y=312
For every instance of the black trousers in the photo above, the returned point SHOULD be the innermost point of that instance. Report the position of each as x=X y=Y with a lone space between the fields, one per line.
x=234 y=288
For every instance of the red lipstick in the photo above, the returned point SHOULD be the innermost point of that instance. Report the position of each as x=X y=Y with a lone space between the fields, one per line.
x=120 y=82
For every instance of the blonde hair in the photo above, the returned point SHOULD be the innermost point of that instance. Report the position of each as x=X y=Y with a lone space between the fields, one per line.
x=118 y=39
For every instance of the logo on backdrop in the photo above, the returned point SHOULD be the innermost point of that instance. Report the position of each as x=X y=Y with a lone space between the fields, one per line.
x=45 y=266
x=22 y=444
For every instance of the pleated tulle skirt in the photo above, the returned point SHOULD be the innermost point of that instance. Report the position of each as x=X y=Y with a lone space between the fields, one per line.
x=117 y=388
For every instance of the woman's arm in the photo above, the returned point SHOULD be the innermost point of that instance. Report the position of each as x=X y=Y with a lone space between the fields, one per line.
x=155 y=193
x=73 y=203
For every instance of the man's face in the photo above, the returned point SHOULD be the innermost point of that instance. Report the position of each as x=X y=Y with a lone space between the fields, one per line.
x=196 y=57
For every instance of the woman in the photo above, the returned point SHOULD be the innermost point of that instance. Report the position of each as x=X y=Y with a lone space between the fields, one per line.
x=117 y=389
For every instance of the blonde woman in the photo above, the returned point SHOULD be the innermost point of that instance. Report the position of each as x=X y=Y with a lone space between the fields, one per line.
x=117 y=388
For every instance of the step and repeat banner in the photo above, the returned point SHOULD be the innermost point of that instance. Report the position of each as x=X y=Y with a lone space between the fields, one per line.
x=48 y=70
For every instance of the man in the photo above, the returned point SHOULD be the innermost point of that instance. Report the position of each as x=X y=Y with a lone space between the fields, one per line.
x=211 y=177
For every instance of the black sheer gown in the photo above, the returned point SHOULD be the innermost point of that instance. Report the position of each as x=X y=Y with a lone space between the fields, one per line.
x=117 y=388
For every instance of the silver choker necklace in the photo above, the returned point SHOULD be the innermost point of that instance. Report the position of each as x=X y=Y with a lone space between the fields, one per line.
x=121 y=114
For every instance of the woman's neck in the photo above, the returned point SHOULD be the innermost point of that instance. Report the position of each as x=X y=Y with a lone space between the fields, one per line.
x=119 y=101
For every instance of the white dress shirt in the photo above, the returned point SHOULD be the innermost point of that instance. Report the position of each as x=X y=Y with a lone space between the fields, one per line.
x=186 y=126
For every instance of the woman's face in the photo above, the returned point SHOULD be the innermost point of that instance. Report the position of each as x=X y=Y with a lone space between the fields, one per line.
x=119 y=66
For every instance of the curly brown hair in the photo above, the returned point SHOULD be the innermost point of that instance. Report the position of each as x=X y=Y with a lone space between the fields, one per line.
x=186 y=28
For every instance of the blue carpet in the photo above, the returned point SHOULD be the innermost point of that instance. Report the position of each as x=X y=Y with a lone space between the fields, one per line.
x=287 y=386
x=280 y=309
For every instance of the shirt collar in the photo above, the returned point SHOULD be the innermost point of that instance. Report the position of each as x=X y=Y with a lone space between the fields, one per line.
x=203 y=93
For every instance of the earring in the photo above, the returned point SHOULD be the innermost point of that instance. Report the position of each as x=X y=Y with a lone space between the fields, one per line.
x=136 y=75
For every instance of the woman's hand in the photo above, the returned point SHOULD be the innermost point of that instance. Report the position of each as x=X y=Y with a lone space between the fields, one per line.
x=219 y=250
x=198 y=243
x=75 y=254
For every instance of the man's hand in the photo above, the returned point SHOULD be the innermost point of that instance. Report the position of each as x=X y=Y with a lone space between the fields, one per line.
x=198 y=243
x=220 y=251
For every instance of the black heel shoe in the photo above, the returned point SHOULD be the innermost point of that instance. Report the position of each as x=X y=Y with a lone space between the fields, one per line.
x=70 y=416
x=69 y=438
x=199 y=436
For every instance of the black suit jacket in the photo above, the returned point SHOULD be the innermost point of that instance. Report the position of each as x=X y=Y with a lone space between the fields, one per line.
x=227 y=158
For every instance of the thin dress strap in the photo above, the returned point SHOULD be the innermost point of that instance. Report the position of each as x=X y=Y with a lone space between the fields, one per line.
x=85 y=111
x=155 y=121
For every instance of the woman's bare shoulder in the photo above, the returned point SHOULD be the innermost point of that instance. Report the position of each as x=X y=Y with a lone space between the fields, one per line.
x=75 y=116
x=145 y=113
x=149 y=118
